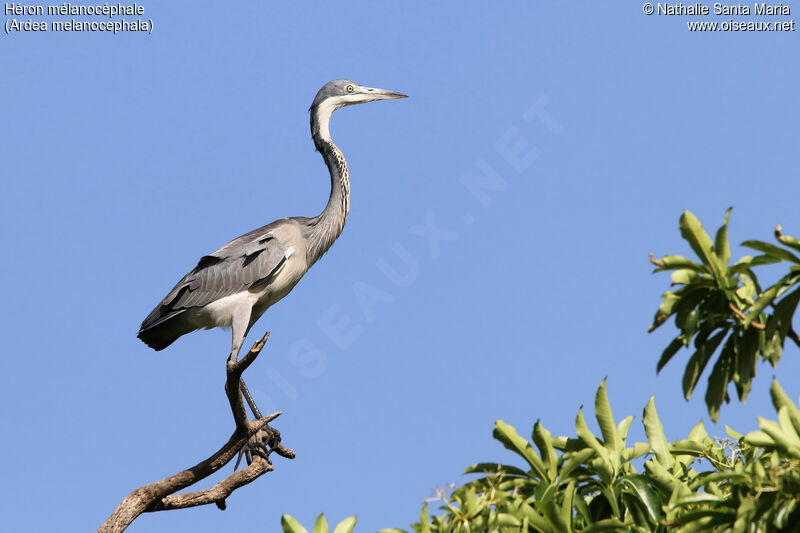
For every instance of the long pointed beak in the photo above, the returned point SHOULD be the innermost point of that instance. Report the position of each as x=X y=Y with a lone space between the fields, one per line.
x=382 y=94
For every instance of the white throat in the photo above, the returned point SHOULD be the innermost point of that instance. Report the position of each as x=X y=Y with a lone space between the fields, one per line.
x=328 y=106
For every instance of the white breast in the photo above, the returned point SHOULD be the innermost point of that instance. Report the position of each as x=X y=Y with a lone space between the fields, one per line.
x=220 y=312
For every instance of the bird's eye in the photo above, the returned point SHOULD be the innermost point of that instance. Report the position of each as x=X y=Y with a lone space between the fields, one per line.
x=350 y=88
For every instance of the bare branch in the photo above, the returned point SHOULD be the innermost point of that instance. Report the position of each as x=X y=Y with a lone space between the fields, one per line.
x=160 y=496
x=217 y=493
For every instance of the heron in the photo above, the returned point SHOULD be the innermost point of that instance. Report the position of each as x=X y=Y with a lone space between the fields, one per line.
x=234 y=285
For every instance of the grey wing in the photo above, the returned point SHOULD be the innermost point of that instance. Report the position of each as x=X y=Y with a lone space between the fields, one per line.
x=245 y=263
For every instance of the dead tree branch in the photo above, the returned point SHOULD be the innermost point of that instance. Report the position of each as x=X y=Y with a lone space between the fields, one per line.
x=252 y=436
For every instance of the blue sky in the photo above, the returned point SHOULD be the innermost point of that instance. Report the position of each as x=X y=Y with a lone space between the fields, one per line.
x=127 y=157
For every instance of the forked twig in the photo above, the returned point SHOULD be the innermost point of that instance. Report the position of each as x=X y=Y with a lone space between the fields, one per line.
x=160 y=496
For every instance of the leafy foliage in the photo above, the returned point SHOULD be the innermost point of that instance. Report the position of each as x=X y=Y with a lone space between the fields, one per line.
x=600 y=482
x=592 y=483
x=290 y=525
x=722 y=308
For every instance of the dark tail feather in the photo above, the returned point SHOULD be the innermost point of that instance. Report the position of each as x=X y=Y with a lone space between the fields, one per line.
x=158 y=332
x=156 y=339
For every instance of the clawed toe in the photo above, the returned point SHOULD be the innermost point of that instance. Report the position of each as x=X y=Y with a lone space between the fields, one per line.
x=263 y=443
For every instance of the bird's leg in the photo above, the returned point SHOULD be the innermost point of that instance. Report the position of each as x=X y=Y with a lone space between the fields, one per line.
x=274 y=436
x=261 y=443
x=240 y=327
x=239 y=323
x=249 y=398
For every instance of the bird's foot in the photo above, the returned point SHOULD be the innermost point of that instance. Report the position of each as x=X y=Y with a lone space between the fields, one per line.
x=262 y=444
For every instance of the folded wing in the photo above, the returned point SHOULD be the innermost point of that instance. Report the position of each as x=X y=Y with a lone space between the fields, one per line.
x=248 y=262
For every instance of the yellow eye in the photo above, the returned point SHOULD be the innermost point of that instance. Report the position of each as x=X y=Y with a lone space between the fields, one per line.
x=350 y=88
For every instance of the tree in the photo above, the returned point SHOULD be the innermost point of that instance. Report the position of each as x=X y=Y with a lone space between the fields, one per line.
x=723 y=304
x=253 y=439
x=592 y=482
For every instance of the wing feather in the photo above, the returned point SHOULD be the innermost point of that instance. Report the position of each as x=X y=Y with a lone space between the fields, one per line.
x=244 y=263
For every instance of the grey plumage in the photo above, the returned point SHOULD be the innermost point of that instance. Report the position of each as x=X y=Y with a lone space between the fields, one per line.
x=243 y=264
x=234 y=285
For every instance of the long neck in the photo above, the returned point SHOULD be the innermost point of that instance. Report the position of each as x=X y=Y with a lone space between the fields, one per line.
x=326 y=227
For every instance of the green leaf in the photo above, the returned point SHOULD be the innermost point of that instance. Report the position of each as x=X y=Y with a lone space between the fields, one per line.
x=772 y=250
x=687 y=310
x=732 y=433
x=582 y=510
x=622 y=430
x=688 y=447
x=783 y=515
x=543 y=440
x=716 y=391
x=544 y=492
x=730 y=477
x=607 y=524
x=607 y=472
x=670 y=351
x=747 y=291
x=689 y=326
x=612 y=497
x=635 y=512
x=698 y=362
x=781 y=399
x=683 y=276
x=566 y=444
x=781 y=319
x=424 y=520
x=507 y=520
x=700 y=497
x=675 y=262
x=637 y=450
x=663 y=478
x=551 y=512
x=721 y=245
x=744 y=515
x=572 y=460
x=787 y=426
x=639 y=486
x=566 y=506
x=665 y=310
x=533 y=517
x=321 y=525
x=508 y=435
x=704 y=520
x=788 y=240
x=698 y=433
x=784 y=441
x=746 y=356
x=747 y=262
x=692 y=230
x=491 y=468
x=763 y=301
x=346 y=525
x=760 y=439
x=605 y=419
x=291 y=525
x=655 y=434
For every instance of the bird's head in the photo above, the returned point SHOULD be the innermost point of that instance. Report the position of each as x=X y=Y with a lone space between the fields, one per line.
x=339 y=93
